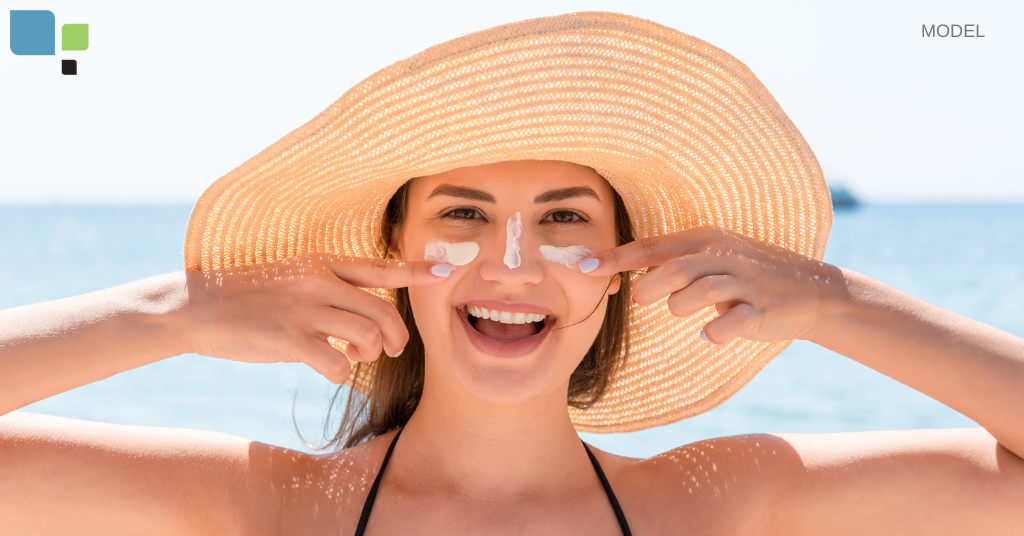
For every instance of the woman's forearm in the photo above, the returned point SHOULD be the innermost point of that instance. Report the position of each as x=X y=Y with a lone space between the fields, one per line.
x=52 y=347
x=971 y=367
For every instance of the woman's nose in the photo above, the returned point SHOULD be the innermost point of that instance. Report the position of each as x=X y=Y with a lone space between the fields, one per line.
x=512 y=258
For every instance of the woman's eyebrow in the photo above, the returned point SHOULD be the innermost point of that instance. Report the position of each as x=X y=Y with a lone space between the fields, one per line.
x=566 y=193
x=546 y=197
x=462 y=191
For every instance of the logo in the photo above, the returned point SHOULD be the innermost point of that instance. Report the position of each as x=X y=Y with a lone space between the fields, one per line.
x=33 y=33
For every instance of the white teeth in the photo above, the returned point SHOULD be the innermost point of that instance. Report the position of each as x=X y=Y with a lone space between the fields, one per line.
x=505 y=317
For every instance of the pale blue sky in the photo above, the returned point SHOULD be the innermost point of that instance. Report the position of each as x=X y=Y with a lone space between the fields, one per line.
x=172 y=95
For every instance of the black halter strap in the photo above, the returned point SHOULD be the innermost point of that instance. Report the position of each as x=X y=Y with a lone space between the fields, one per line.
x=611 y=494
x=368 y=505
x=364 y=517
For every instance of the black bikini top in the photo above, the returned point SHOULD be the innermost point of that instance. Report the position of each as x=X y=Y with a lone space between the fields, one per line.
x=368 y=505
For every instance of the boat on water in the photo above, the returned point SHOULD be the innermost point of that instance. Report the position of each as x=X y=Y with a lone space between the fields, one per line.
x=842 y=198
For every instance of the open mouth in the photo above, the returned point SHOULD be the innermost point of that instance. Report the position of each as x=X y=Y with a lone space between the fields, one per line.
x=504 y=331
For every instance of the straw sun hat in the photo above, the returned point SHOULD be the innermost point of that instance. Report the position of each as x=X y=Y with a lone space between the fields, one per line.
x=683 y=131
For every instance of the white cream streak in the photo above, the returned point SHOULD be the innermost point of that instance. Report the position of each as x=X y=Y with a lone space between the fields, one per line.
x=513 y=229
x=565 y=255
x=456 y=254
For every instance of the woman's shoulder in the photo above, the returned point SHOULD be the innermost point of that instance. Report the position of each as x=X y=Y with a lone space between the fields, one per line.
x=323 y=490
x=809 y=483
x=721 y=485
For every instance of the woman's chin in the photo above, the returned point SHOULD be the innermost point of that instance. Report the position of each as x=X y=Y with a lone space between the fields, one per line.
x=502 y=388
x=507 y=382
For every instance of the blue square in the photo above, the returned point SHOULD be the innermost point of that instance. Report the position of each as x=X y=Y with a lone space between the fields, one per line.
x=33 y=32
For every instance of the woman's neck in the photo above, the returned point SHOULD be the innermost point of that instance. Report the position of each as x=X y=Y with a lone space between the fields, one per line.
x=457 y=442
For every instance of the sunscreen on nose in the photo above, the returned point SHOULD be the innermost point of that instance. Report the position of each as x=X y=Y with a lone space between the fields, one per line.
x=513 y=229
x=456 y=254
x=567 y=256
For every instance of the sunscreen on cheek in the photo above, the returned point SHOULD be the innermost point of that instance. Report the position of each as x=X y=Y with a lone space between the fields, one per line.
x=456 y=254
x=567 y=256
x=513 y=229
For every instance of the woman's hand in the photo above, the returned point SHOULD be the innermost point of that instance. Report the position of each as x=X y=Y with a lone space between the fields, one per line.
x=761 y=291
x=284 y=311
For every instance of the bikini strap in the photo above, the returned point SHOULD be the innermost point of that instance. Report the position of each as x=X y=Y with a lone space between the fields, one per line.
x=611 y=494
x=364 y=517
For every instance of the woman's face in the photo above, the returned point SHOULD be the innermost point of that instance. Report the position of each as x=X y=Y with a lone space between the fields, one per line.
x=559 y=204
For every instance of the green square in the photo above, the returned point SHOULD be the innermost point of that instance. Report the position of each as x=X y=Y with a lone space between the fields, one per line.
x=74 y=37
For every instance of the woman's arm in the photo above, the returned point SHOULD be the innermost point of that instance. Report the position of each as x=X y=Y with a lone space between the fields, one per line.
x=52 y=347
x=930 y=482
x=282 y=311
x=67 y=476
x=767 y=293
x=971 y=367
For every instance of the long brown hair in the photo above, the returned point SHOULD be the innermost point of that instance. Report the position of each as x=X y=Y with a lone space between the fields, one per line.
x=397 y=384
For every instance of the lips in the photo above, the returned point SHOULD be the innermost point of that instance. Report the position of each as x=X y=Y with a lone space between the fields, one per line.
x=498 y=348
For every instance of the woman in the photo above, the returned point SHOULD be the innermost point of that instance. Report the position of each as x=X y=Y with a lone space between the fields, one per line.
x=462 y=427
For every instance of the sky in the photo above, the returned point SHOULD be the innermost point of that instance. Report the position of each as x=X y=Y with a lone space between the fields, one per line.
x=170 y=96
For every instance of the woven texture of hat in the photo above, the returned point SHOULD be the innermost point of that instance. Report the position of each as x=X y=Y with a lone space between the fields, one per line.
x=683 y=131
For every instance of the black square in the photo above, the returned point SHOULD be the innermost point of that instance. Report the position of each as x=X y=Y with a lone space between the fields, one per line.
x=69 y=66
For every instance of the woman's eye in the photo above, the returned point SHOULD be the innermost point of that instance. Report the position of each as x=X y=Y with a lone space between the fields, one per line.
x=565 y=217
x=461 y=214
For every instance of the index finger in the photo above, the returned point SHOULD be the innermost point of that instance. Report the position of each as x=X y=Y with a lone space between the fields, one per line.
x=643 y=253
x=386 y=273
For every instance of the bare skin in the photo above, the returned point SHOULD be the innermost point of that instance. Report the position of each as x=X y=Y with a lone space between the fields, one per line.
x=490 y=449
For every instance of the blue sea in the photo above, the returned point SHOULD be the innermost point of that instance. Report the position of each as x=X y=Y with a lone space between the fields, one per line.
x=964 y=258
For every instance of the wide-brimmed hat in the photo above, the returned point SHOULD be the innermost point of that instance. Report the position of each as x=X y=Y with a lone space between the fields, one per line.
x=683 y=131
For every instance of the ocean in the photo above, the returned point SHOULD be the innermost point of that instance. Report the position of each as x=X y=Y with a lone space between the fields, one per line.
x=965 y=258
